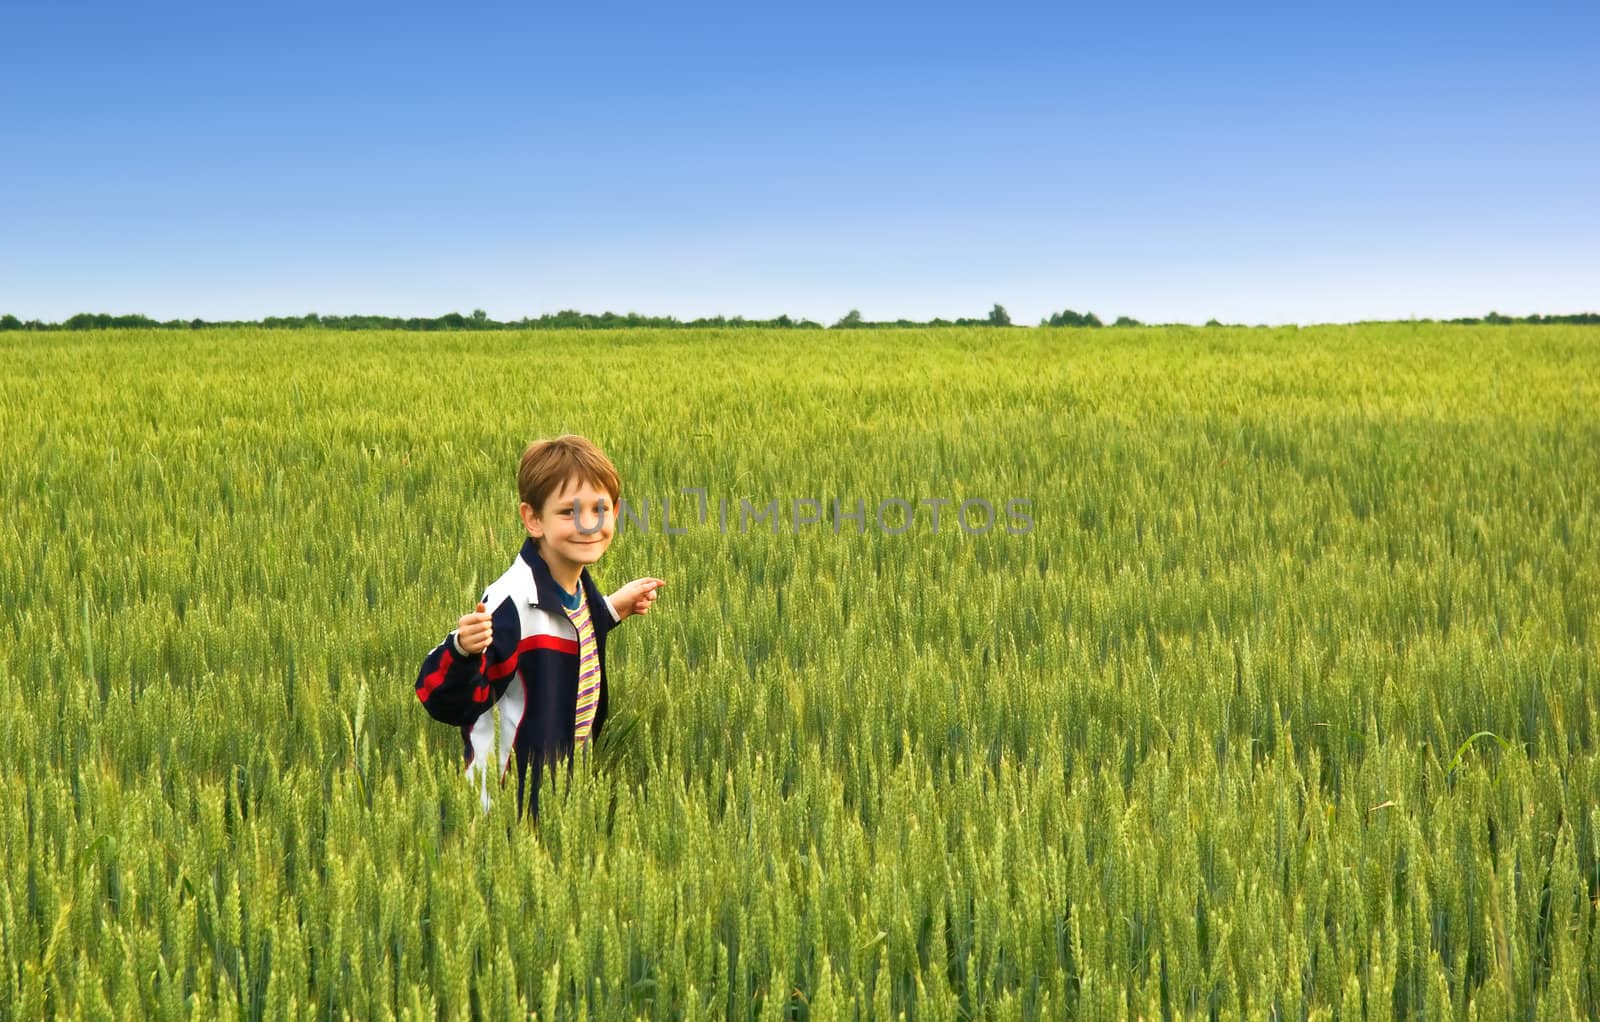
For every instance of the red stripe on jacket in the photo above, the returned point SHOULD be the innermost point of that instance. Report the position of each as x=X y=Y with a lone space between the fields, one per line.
x=532 y=642
x=435 y=679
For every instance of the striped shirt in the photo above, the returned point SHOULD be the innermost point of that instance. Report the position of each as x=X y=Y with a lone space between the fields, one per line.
x=588 y=670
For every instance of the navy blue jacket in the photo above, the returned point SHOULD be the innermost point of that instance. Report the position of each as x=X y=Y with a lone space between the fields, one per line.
x=529 y=673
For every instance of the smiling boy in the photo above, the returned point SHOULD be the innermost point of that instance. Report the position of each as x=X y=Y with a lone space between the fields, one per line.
x=534 y=648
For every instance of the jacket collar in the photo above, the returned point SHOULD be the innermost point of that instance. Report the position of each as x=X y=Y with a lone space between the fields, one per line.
x=546 y=590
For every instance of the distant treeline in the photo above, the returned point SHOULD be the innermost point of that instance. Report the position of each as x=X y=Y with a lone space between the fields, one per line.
x=572 y=320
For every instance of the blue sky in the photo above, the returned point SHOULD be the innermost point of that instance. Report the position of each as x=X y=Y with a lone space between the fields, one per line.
x=1280 y=163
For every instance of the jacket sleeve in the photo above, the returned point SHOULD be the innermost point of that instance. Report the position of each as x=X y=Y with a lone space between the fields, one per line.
x=456 y=688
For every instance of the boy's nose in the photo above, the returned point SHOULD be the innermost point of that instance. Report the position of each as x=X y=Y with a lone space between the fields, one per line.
x=591 y=526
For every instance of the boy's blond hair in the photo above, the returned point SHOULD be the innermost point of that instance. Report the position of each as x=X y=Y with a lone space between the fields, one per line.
x=547 y=466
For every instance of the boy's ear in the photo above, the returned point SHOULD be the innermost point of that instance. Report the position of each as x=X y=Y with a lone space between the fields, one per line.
x=531 y=520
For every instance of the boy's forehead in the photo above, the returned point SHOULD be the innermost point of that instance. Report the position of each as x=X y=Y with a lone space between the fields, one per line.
x=576 y=487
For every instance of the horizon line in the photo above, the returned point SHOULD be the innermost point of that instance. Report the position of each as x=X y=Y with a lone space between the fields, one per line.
x=575 y=319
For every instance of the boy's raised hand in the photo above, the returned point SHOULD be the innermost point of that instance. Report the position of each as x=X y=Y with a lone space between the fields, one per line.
x=475 y=630
x=636 y=597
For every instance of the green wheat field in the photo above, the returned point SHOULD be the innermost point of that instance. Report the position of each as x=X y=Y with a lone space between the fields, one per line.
x=1286 y=707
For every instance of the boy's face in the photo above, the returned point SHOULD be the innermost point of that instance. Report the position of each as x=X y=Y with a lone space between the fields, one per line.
x=576 y=522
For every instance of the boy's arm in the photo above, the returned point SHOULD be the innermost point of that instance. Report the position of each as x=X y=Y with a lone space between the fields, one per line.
x=456 y=688
x=634 y=598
